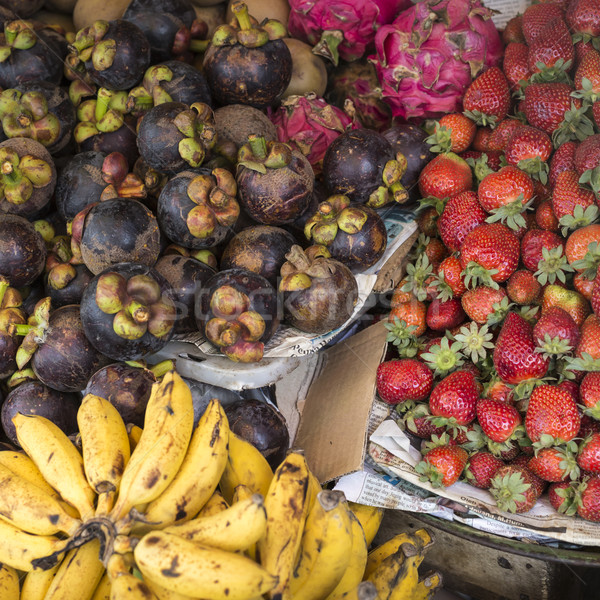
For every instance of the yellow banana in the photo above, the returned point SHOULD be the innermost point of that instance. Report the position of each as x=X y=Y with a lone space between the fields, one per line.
x=78 y=575
x=129 y=587
x=36 y=583
x=24 y=551
x=163 y=593
x=200 y=571
x=58 y=460
x=105 y=448
x=420 y=539
x=353 y=574
x=168 y=424
x=215 y=504
x=102 y=592
x=370 y=518
x=326 y=548
x=245 y=465
x=243 y=492
x=134 y=433
x=285 y=503
x=233 y=529
x=314 y=487
x=425 y=589
x=9 y=583
x=363 y=591
x=20 y=464
x=199 y=473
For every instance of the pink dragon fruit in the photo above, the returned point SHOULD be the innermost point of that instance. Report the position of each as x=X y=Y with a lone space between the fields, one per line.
x=310 y=124
x=341 y=28
x=432 y=51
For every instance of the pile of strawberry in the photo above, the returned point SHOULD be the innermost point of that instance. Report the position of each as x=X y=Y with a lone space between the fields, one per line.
x=497 y=322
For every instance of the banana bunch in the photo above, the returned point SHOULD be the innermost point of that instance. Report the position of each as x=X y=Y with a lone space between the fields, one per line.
x=169 y=512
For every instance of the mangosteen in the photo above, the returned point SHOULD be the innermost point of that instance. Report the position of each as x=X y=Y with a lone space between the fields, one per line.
x=170 y=81
x=197 y=210
x=22 y=250
x=186 y=276
x=362 y=165
x=126 y=387
x=64 y=283
x=39 y=110
x=275 y=182
x=30 y=52
x=21 y=8
x=206 y=257
x=11 y=314
x=128 y=311
x=237 y=312
x=319 y=292
x=261 y=424
x=27 y=178
x=353 y=233
x=111 y=54
x=174 y=136
x=115 y=231
x=260 y=248
x=410 y=139
x=35 y=398
x=248 y=63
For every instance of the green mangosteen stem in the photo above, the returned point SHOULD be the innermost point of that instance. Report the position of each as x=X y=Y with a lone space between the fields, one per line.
x=199 y=46
x=9 y=173
x=240 y=10
x=4 y=285
x=23 y=328
x=162 y=368
x=258 y=144
x=138 y=311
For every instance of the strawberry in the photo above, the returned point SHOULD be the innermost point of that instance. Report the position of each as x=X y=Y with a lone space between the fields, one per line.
x=583 y=17
x=552 y=416
x=496 y=389
x=588 y=457
x=515 y=64
x=570 y=300
x=427 y=221
x=587 y=155
x=412 y=313
x=444 y=314
x=417 y=421
x=479 y=302
x=454 y=132
x=595 y=297
x=504 y=187
x=403 y=379
x=481 y=468
x=443 y=465
x=573 y=388
x=435 y=250
x=553 y=44
x=450 y=282
x=513 y=30
x=513 y=489
x=487 y=99
x=589 y=426
x=567 y=196
x=579 y=243
x=589 y=392
x=556 y=332
x=523 y=288
x=482 y=136
x=489 y=253
x=533 y=244
x=500 y=421
x=545 y=217
x=556 y=496
x=454 y=398
x=502 y=133
x=399 y=296
x=536 y=17
x=511 y=452
x=515 y=358
x=563 y=159
x=529 y=148
x=554 y=464
x=590 y=338
x=445 y=176
x=587 y=81
x=545 y=104
x=588 y=499
x=483 y=162
x=461 y=215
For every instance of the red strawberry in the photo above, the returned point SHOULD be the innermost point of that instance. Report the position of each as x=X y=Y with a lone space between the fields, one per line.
x=494 y=249
x=556 y=332
x=589 y=392
x=523 y=288
x=455 y=398
x=504 y=187
x=451 y=282
x=545 y=104
x=481 y=468
x=589 y=69
x=579 y=243
x=403 y=379
x=511 y=453
x=417 y=421
x=563 y=159
x=515 y=64
x=554 y=464
x=588 y=426
x=588 y=457
x=571 y=301
x=573 y=388
x=583 y=16
x=552 y=414
x=454 y=132
x=557 y=499
x=461 y=215
x=445 y=176
x=487 y=99
x=553 y=43
x=479 y=302
x=536 y=18
x=545 y=217
x=436 y=251
x=533 y=244
x=496 y=389
x=590 y=338
x=595 y=298
x=513 y=489
x=513 y=31
x=568 y=195
x=529 y=148
x=483 y=161
x=444 y=314
x=443 y=465
x=588 y=499
x=587 y=161
x=502 y=133
x=498 y=420
x=584 y=285
x=515 y=358
x=482 y=136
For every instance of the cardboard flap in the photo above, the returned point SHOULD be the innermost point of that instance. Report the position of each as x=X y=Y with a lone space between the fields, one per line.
x=333 y=425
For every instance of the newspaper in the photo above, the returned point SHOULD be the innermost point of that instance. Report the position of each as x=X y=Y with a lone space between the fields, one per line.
x=391 y=449
x=291 y=342
x=506 y=10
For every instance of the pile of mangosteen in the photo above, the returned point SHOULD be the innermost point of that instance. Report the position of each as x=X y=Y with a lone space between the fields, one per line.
x=145 y=192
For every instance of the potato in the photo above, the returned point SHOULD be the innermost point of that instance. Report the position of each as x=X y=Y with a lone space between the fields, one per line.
x=87 y=12
x=309 y=73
